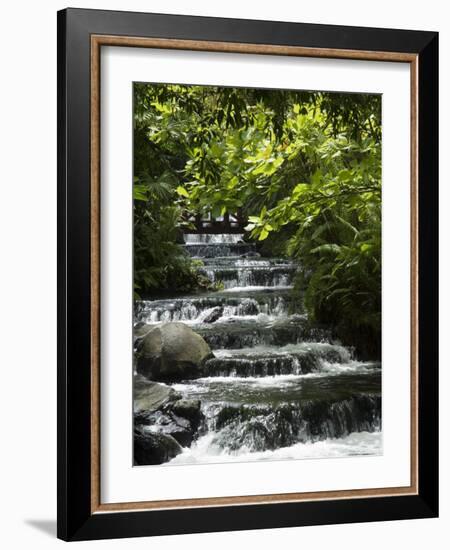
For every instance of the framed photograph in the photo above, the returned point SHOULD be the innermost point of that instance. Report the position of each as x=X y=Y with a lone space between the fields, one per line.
x=247 y=252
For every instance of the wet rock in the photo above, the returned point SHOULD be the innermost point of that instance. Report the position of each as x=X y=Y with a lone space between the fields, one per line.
x=153 y=448
x=189 y=409
x=139 y=332
x=171 y=352
x=249 y=307
x=141 y=329
x=160 y=409
x=151 y=395
x=166 y=422
x=181 y=430
x=178 y=428
x=213 y=315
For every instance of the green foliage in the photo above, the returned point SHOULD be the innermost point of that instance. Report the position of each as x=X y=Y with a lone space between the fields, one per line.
x=303 y=167
x=160 y=263
x=332 y=226
x=341 y=272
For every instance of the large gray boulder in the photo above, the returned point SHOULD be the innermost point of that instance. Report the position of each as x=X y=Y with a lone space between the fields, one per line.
x=172 y=351
x=141 y=330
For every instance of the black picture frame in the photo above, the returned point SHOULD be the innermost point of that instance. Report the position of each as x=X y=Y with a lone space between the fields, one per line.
x=76 y=521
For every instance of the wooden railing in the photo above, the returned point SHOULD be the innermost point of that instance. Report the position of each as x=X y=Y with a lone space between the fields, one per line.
x=228 y=223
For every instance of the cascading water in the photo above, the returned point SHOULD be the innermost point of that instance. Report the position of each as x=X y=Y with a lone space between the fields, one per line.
x=276 y=388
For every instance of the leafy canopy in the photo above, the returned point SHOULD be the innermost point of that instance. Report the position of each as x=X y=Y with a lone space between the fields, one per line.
x=303 y=167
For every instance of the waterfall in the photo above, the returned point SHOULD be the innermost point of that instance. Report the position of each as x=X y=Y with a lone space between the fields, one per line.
x=261 y=428
x=277 y=386
x=237 y=264
x=194 y=238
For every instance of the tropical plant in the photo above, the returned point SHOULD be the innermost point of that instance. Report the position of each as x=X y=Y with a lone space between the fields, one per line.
x=303 y=167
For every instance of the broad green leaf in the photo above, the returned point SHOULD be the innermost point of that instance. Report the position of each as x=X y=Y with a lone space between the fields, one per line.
x=319 y=231
x=182 y=191
x=344 y=175
x=300 y=188
x=264 y=234
x=326 y=249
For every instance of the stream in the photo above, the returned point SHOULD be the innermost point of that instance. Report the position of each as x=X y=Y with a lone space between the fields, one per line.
x=276 y=388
